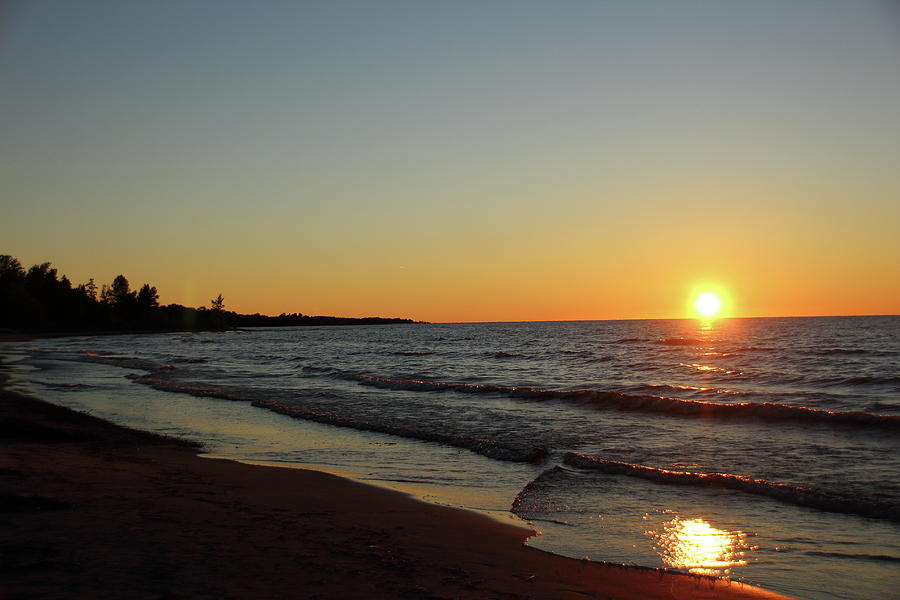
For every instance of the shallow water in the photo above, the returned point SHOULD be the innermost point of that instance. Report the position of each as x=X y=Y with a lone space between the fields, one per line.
x=607 y=435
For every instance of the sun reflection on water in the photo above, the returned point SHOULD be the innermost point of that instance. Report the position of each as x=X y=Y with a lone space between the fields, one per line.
x=698 y=547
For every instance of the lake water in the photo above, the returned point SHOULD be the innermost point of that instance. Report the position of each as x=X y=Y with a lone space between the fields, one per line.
x=766 y=450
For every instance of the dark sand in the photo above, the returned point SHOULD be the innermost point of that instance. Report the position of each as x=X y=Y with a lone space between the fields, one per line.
x=92 y=510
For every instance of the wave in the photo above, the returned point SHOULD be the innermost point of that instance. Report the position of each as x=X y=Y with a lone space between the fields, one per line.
x=645 y=403
x=402 y=353
x=881 y=406
x=692 y=389
x=779 y=491
x=525 y=501
x=864 y=380
x=600 y=400
x=115 y=360
x=586 y=356
x=855 y=555
x=711 y=369
x=485 y=447
x=675 y=341
x=102 y=358
x=62 y=386
x=631 y=340
x=195 y=340
x=836 y=351
x=504 y=355
x=604 y=358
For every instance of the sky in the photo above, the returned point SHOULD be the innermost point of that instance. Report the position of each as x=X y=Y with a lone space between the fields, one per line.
x=459 y=161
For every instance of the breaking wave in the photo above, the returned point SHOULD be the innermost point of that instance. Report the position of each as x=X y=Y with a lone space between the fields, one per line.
x=115 y=360
x=526 y=501
x=683 y=389
x=645 y=403
x=779 y=491
x=485 y=447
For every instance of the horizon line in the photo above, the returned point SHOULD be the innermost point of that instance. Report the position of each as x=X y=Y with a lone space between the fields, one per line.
x=660 y=319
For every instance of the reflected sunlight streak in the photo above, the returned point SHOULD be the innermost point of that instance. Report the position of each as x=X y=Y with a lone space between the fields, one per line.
x=698 y=547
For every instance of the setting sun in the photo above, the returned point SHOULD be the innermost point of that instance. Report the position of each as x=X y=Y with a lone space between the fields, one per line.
x=626 y=270
x=707 y=304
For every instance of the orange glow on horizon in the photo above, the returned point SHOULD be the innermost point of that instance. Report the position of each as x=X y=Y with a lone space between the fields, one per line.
x=583 y=279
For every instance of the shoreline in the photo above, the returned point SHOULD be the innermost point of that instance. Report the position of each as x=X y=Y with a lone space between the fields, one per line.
x=90 y=507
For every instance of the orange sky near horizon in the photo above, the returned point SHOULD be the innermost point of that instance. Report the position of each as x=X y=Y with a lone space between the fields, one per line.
x=571 y=261
x=434 y=162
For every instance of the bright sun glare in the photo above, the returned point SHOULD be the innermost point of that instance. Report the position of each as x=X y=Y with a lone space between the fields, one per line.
x=707 y=305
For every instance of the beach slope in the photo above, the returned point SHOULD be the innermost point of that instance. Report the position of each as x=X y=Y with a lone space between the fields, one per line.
x=89 y=509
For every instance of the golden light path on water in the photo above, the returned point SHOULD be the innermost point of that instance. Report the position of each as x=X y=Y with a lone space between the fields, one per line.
x=698 y=547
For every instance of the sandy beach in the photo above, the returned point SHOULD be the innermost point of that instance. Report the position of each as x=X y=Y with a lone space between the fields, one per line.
x=91 y=509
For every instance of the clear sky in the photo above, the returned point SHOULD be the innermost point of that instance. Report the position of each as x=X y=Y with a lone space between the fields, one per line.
x=459 y=161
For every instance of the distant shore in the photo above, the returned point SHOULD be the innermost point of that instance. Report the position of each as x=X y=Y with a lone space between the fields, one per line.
x=92 y=509
x=11 y=335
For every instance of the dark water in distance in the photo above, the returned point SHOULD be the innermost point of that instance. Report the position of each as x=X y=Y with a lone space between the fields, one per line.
x=763 y=449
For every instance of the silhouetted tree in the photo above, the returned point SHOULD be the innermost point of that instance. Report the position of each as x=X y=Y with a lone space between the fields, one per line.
x=40 y=278
x=15 y=303
x=148 y=297
x=106 y=295
x=89 y=289
x=121 y=291
x=217 y=303
x=10 y=269
x=39 y=300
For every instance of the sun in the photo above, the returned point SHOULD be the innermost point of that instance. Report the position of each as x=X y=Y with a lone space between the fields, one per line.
x=708 y=300
x=707 y=305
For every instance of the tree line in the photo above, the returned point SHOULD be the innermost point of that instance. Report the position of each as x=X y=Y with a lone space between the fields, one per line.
x=40 y=300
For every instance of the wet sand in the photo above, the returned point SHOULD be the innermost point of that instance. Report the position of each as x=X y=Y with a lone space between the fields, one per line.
x=89 y=509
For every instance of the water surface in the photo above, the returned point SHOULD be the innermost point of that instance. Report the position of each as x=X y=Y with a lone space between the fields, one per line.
x=759 y=449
